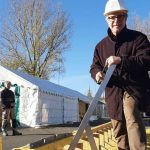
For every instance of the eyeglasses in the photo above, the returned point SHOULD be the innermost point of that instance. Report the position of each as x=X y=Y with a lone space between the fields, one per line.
x=119 y=17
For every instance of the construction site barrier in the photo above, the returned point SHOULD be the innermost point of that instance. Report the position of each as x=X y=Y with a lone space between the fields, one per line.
x=103 y=136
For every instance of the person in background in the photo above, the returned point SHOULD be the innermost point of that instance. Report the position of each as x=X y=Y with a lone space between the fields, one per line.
x=8 y=109
x=124 y=94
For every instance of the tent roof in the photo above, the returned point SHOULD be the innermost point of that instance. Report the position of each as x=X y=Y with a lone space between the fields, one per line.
x=47 y=86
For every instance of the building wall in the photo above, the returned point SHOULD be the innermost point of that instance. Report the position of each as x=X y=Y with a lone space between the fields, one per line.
x=28 y=107
x=56 y=109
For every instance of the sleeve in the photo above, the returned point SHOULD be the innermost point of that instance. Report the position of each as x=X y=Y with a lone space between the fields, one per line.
x=96 y=64
x=1 y=96
x=141 y=61
x=3 y=104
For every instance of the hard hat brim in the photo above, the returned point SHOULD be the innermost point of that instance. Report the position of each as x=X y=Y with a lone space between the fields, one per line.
x=108 y=13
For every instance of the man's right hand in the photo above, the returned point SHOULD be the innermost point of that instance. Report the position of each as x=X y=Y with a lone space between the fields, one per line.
x=3 y=107
x=99 y=77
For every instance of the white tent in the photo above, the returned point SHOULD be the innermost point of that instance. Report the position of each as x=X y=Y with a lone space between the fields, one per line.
x=43 y=102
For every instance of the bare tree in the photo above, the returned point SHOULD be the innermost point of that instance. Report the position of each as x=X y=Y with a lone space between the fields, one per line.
x=35 y=37
x=135 y=22
x=140 y=25
x=146 y=27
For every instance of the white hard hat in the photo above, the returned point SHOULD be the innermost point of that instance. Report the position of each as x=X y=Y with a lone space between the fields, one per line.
x=114 y=6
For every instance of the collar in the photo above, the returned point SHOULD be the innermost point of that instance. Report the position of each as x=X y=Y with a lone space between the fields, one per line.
x=120 y=37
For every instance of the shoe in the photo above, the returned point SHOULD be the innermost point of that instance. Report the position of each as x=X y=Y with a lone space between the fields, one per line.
x=15 y=132
x=4 y=133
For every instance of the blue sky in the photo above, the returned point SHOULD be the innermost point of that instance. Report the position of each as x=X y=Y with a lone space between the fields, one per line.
x=89 y=27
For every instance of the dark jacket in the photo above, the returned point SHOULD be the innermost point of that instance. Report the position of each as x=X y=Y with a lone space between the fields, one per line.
x=131 y=75
x=7 y=98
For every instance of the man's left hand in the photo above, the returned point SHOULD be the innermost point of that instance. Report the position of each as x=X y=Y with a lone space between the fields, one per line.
x=112 y=60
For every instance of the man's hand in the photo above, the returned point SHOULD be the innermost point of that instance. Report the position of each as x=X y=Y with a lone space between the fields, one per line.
x=99 y=77
x=12 y=104
x=112 y=60
x=109 y=61
x=3 y=107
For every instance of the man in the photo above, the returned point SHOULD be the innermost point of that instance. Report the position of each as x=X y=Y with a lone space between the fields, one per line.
x=8 y=109
x=130 y=51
